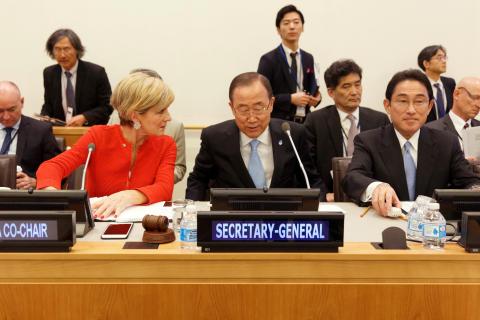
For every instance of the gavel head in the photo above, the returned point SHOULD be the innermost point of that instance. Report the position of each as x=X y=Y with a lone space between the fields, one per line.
x=155 y=223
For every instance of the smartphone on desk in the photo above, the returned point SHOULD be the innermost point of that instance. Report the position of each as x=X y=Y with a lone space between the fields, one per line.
x=117 y=231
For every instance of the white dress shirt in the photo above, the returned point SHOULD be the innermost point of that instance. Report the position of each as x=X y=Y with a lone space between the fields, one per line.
x=444 y=95
x=73 y=78
x=459 y=125
x=13 y=144
x=264 y=150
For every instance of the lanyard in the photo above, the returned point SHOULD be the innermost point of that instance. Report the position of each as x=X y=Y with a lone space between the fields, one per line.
x=345 y=136
x=11 y=140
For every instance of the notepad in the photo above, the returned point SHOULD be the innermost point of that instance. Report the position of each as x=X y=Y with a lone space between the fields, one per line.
x=136 y=213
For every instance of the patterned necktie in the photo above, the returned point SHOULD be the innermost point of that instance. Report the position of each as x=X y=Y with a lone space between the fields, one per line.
x=352 y=132
x=294 y=68
x=70 y=94
x=255 y=167
x=410 y=170
x=439 y=101
x=7 y=141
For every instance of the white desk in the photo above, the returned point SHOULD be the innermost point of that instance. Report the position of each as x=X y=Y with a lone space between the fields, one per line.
x=357 y=229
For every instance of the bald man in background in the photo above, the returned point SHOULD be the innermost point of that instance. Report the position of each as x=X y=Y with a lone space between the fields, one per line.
x=466 y=106
x=32 y=141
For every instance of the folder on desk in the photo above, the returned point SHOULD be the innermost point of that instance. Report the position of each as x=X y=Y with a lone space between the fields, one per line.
x=136 y=213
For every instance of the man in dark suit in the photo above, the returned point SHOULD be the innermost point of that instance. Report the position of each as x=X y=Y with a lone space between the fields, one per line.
x=330 y=129
x=433 y=61
x=76 y=91
x=290 y=70
x=397 y=162
x=32 y=141
x=466 y=106
x=251 y=151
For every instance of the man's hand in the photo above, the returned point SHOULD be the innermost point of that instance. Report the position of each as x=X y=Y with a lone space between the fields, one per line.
x=300 y=99
x=115 y=203
x=77 y=121
x=330 y=197
x=25 y=182
x=315 y=100
x=383 y=198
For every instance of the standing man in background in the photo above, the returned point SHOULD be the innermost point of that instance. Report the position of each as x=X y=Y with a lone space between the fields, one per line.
x=76 y=91
x=290 y=70
x=433 y=61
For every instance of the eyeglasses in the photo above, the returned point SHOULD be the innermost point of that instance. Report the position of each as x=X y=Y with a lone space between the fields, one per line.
x=67 y=50
x=440 y=58
x=404 y=103
x=475 y=97
x=255 y=111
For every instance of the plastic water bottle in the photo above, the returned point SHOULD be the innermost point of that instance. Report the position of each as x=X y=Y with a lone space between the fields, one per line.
x=188 y=228
x=415 y=218
x=434 y=228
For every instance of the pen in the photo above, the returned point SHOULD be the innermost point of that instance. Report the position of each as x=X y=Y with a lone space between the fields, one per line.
x=365 y=212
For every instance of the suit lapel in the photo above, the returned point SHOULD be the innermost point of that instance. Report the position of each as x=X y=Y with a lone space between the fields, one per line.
x=79 y=85
x=57 y=88
x=233 y=140
x=448 y=124
x=426 y=155
x=286 y=69
x=279 y=143
x=22 y=138
x=309 y=81
x=393 y=160
x=335 y=131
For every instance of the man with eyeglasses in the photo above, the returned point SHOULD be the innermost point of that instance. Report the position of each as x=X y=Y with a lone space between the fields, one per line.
x=433 y=61
x=76 y=91
x=251 y=151
x=32 y=141
x=405 y=159
x=331 y=130
x=290 y=70
x=466 y=106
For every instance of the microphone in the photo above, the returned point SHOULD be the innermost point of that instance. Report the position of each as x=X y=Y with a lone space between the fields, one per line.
x=286 y=129
x=91 y=148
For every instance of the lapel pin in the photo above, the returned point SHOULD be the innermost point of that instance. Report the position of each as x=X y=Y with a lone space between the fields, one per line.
x=280 y=142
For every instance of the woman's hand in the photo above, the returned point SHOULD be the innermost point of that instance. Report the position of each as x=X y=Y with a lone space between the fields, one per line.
x=115 y=203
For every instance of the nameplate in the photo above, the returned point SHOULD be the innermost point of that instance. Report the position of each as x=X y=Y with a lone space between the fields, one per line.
x=37 y=231
x=225 y=231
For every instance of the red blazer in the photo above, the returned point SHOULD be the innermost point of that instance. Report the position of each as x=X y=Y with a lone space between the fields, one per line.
x=108 y=170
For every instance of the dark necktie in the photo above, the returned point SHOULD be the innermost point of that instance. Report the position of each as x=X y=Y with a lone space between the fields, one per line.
x=294 y=67
x=69 y=92
x=7 y=141
x=439 y=101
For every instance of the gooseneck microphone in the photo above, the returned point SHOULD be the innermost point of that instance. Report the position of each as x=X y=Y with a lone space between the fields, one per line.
x=286 y=129
x=91 y=148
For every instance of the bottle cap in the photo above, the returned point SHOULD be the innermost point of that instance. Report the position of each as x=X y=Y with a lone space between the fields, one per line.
x=434 y=206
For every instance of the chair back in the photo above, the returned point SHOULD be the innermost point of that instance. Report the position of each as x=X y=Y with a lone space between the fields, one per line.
x=339 y=167
x=74 y=180
x=61 y=143
x=8 y=171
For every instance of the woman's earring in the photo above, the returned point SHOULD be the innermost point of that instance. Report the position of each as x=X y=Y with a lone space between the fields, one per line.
x=136 y=125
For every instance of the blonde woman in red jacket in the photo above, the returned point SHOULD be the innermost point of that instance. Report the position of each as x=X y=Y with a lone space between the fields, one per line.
x=133 y=163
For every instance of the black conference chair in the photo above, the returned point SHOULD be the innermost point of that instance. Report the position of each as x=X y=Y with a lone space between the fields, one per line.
x=61 y=143
x=339 y=167
x=8 y=171
x=74 y=180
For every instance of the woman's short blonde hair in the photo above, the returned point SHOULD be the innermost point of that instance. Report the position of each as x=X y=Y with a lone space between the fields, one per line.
x=138 y=92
